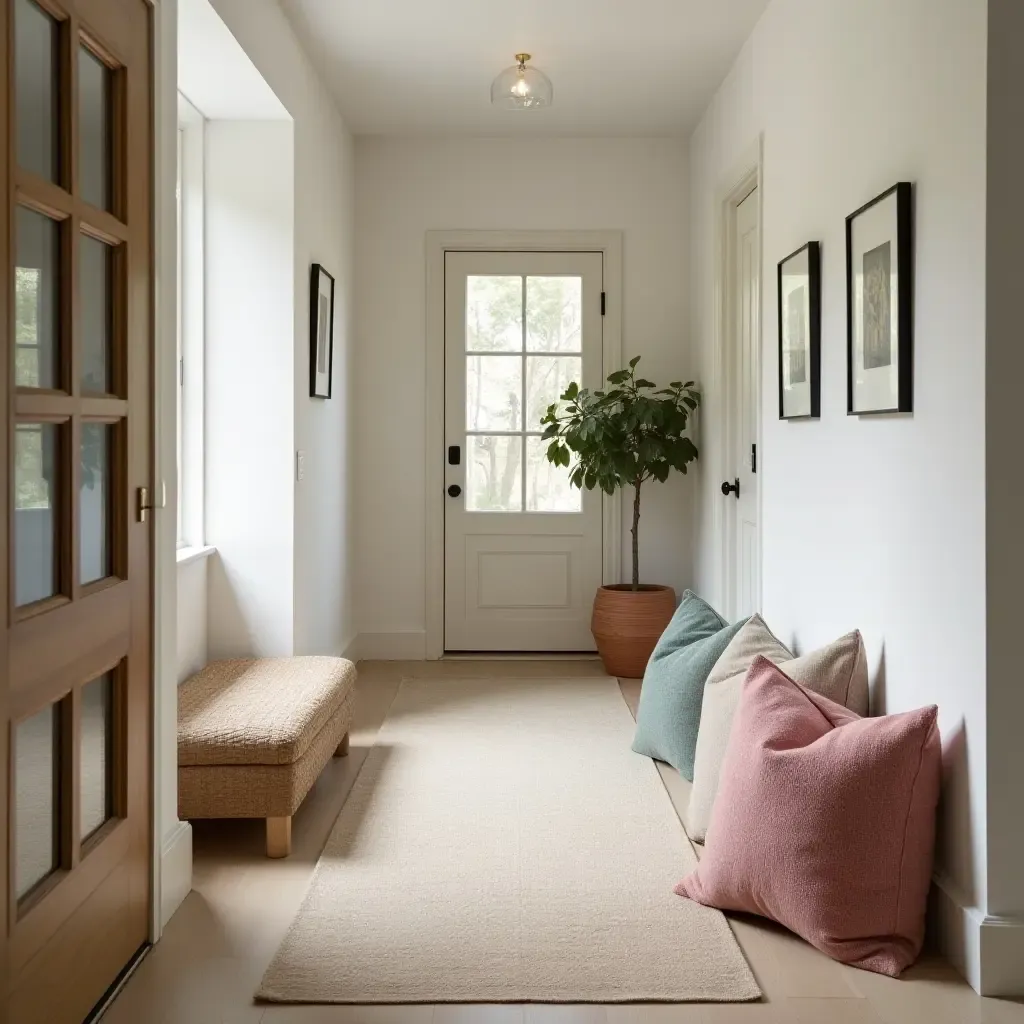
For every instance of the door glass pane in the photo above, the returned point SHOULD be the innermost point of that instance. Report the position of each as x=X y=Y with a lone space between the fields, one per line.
x=36 y=474
x=36 y=60
x=36 y=301
x=94 y=134
x=547 y=377
x=494 y=314
x=547 y=486
x=97 y=748
x=494 y=474
x=95 y=278
x=94 y=498
x=494 y=393
x=554 y=313
x=36 y=790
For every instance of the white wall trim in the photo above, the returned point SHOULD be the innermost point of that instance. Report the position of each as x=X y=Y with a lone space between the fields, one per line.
x=987 y=950
x=352 y=650
x=409 y=645
x=165 y=883
x=437 y=244
x=734 y=188
x=176 y=870
x=187 y=555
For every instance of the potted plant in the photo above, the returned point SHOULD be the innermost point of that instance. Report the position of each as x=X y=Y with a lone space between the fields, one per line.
x=620 y=437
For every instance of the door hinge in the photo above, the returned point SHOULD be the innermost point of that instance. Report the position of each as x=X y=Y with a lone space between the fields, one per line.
x=144 y=505
x=753 y=458
x=604 y=302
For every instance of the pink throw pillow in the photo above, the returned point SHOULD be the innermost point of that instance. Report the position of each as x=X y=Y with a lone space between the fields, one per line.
x=825 y=822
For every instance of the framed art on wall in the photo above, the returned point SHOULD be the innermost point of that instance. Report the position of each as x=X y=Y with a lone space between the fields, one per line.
x=800 y=333
x=879 y=304
x=321 y=332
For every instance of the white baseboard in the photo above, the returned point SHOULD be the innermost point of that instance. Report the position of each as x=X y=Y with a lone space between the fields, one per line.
x=988 y=951
x=409 y=645
x=175 y=870
x=351 y=649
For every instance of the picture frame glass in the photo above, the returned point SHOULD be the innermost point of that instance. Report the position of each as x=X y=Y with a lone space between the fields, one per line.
x=875 y=349
x=795 y=314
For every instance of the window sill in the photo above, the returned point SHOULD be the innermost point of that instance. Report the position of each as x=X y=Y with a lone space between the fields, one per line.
x=187 y=555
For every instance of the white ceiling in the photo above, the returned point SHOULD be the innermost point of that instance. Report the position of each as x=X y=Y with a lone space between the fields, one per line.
x=619 y=67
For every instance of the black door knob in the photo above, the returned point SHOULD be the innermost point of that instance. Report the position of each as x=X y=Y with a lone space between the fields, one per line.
x=454 y=490
x=731 y=488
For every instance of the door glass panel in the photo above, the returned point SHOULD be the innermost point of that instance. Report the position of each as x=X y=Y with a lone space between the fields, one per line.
x=494 y=389
x=37 y=301
x=547 y=377
x=36 y=61
x=554 y=314
x=494 y=473
x=494 y=314
x=547 y=486
x=95 y=279
x=97 y=749
x=36 y=498
x=94 y=502
x=94 y=134
x=36 y=791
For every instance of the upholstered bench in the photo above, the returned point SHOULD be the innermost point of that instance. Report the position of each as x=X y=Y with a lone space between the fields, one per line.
x=253 y=735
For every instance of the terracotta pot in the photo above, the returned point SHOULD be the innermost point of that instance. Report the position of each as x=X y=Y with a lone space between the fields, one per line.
x=627 y=624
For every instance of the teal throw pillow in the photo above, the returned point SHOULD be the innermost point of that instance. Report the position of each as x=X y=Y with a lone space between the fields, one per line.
x=673 y=689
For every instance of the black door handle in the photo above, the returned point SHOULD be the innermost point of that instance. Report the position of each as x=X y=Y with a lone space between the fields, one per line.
x=731 y=488
x=454 y=490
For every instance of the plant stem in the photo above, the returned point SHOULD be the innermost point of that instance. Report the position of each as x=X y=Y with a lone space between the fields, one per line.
x=636 y=535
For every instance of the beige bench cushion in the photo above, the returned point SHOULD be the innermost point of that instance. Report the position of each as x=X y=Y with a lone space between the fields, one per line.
x=259 y=711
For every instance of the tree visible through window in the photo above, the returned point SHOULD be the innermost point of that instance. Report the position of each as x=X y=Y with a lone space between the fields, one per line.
x=26 y=326
x=523 y=340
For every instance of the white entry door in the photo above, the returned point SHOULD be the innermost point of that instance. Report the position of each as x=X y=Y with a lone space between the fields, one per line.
x=740 y=489
x=522 y=547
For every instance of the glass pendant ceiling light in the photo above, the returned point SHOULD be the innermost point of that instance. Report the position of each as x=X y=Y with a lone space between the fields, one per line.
x=522 y=87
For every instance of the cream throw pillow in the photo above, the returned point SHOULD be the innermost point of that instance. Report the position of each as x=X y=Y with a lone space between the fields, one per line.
x=838 y=672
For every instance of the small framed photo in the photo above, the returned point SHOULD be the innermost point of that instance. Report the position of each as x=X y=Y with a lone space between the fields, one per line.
x=879 y=304
x=321 y=332
x=800 y=334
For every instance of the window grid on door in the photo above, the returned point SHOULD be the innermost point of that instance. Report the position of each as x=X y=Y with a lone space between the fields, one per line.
x=523 y=347
x=70 y=527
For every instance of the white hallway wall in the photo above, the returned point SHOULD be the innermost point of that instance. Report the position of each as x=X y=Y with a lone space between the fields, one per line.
x=323 y=562
x=250 y=309
x=406 y=187
x=876 y=523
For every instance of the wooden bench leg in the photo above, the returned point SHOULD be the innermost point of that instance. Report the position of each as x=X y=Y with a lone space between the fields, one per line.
x=279 y=837
x=342 y=748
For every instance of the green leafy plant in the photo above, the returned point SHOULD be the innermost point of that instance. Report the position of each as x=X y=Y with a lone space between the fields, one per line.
x=622 y=436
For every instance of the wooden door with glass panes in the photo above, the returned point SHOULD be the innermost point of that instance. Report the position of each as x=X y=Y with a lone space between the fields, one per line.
x=76 y=393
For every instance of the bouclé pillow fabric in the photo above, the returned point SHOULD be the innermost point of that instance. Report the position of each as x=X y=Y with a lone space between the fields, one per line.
x=668 y=717
x=825 y=822
x=838 y=671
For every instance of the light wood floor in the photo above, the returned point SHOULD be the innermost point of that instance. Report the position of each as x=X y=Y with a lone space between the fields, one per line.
x=216 y=947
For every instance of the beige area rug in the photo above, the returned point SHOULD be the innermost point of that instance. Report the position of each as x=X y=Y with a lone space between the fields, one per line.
x=502 y=843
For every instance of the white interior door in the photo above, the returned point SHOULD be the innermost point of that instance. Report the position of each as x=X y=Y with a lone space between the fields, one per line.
x=522 y=547
x=744 y=544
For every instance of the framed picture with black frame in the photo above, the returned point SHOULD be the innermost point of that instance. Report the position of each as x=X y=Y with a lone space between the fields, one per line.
x=321 y=332
x=800 y=333
x=880 y=304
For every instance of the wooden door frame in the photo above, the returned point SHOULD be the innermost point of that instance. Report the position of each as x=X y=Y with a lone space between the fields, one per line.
x=609 y=243
x=735 y=187
x=6 y=502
